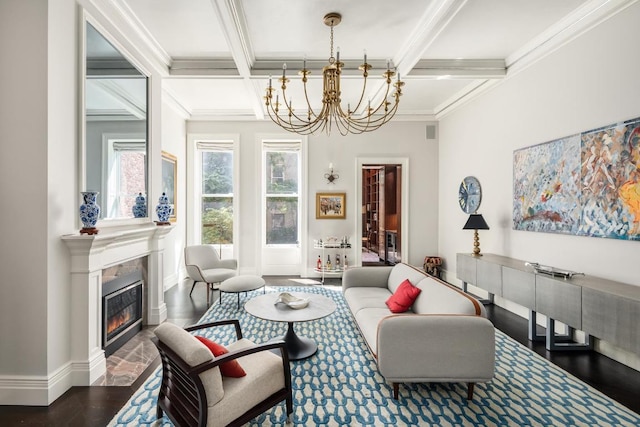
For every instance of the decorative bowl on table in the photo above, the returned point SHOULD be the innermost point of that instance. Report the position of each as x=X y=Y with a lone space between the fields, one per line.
x=292 y=301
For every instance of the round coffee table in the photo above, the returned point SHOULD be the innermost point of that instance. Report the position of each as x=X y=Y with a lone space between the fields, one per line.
x=264 y=307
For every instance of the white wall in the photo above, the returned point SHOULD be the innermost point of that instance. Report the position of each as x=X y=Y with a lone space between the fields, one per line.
x=590 y=82
x=39 y=150
x=174 y=142
x=37 y=176
x=396 y=139
x=23 y=180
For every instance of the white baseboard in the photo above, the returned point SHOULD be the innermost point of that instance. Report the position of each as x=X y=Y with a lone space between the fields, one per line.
x=170 y=281
x=32 y=390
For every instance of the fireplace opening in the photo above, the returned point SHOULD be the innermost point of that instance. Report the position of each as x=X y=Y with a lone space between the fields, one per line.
x=121 y=310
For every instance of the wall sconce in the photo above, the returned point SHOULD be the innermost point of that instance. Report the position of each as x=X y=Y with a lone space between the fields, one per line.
x=330 y=177
x=476 y=222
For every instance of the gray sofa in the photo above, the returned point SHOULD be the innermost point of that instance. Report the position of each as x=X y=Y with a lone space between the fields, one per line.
x=444 y=337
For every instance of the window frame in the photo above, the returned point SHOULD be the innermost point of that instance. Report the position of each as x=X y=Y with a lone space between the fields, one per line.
x=199 y=143
x=285 y=146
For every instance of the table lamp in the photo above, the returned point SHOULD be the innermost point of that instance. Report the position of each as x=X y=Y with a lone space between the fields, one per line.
x=476 y=222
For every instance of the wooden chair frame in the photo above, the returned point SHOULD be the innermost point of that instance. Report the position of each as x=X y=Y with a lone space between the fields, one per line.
x=182 y=395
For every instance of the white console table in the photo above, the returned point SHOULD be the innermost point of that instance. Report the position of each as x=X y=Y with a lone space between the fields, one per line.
x=599 y=307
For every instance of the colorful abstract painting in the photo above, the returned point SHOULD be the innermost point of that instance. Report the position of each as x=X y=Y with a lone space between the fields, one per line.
x=587 y=184
x=546 y=187
x=610 y=175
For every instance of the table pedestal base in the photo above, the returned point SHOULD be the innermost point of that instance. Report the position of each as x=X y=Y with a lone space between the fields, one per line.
x=297 y=347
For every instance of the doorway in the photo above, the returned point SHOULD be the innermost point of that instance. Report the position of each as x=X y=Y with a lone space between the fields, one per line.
x=381 y=229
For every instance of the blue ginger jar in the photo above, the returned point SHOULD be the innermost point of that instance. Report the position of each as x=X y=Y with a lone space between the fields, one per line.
x=140 y=208
x=89 y=212
x=163 y=210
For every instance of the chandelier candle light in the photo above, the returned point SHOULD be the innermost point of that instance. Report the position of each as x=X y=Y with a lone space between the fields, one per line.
x=362 y=118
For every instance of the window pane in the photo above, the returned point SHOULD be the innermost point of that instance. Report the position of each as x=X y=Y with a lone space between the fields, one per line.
x=217 y=172
x=281 y=170
x=217 y=220
x=282 y=220
x=132 y=180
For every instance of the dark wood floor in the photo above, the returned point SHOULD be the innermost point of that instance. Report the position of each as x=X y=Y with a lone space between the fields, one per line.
x=96 y=406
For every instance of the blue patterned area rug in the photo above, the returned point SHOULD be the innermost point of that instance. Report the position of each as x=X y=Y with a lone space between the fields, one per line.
x=340 y=385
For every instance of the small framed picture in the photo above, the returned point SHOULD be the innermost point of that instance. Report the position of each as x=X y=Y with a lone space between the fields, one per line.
x=331 y=205
x=169 y=176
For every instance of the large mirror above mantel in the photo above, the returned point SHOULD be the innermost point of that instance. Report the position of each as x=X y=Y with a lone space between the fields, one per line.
x=115 y=128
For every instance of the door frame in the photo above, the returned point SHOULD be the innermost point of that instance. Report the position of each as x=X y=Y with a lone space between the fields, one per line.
x=404 y=194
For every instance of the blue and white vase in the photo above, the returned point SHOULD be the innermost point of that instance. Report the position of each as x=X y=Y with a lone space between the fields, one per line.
x=140 y=208
x=89 y=210
x=163 y=210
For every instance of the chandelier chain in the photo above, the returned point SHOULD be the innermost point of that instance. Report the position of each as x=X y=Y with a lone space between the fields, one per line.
x=331 y=56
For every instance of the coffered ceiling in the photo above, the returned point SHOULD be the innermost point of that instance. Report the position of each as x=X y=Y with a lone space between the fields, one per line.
x=219 y=54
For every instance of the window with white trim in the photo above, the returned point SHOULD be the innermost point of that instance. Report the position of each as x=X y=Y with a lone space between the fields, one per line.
x=125 y=176
x=216 y=160
x=281 y=192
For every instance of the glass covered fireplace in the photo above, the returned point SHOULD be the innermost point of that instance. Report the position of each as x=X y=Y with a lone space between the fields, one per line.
x=121 y=310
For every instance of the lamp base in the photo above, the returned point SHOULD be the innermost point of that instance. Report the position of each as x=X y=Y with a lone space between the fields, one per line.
x=476 y=244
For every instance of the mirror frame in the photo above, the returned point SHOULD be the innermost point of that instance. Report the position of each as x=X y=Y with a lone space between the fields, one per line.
x=87 y=19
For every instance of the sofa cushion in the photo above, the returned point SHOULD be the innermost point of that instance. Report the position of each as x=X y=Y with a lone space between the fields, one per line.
x=368 y=320
x=194 y=353
x=403 y=298
x=440 y=298
x=359 y=298
x=401 y=272
x=228 y=369
x=265 y=373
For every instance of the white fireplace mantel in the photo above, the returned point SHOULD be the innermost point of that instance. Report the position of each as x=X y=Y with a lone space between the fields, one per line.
x=90 y=254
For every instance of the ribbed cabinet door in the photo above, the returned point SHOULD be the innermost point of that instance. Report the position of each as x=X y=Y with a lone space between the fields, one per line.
x=519 y=286
x=466 y=268
x=612 y=318
x=559 y=300
x=489 y=276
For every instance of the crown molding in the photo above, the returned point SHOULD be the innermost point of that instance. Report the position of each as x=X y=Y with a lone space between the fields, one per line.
x=130 y=33
x=587 y=17
x=583 y=19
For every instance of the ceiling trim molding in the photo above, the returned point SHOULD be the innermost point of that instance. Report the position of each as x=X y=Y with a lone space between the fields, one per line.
x=172 y=101
x=465 y=95
x=572 y=26
x=122 y=28
x=433 y=21
x=204 y=67
x=465 y=68
x=224 y=115
x=583 y=19
x=104 y=115
x=123 y=97
x=143 y=33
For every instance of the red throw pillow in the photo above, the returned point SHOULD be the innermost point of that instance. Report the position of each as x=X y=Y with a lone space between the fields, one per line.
x=403 y=297
x=228 y=369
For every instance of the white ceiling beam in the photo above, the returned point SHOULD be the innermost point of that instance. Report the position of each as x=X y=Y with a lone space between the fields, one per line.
x=427 y=68
x=137 y=108
x=234 y=26
x=435 y=18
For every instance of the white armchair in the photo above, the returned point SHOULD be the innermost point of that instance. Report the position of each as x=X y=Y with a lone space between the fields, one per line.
x=204 y=265
x=194 y=392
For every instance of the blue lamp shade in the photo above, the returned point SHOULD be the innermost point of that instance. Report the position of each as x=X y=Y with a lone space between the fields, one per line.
x=476 y=222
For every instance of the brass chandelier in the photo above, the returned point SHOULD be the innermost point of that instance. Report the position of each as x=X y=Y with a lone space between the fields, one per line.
x=332 y=113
